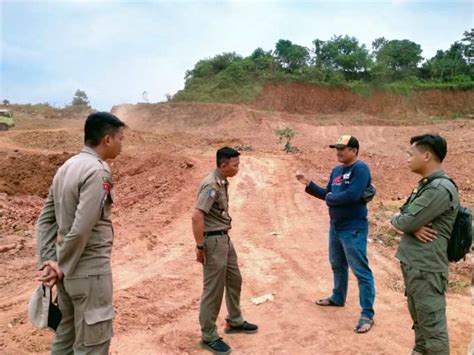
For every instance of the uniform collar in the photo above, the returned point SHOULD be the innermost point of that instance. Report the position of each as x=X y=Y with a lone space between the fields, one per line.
x=90 y=150
x=220 y=178
x=436 y=174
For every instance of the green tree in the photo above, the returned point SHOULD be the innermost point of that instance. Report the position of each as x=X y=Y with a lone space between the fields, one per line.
x=207 y=68
x=318 y=57
x=447 y=65
x=6 y=102
x=222 y=61
x=378 y=43
x=259 y=53
x=264 y=61
x=80 y=99
x=469 y=43
x=291 y=57
x=396 y=59
x=344 y=54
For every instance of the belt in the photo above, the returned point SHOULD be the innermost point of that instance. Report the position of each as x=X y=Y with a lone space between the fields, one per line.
x=222 y=232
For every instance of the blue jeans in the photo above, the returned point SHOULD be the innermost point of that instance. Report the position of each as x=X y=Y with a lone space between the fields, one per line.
x=349 y=248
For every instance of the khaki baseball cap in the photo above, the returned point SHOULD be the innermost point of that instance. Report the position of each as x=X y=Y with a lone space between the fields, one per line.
x=346 y=141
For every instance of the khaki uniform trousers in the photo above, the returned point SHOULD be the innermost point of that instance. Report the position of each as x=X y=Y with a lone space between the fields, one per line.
x=86 y=325
x=220 y=272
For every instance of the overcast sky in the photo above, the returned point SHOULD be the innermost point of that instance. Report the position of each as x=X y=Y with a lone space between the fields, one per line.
x=115 y=50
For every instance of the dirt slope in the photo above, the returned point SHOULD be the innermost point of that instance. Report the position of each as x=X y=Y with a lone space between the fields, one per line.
x=307 y=99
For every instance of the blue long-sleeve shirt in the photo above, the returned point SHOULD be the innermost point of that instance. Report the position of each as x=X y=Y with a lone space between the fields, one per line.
x=343 y=194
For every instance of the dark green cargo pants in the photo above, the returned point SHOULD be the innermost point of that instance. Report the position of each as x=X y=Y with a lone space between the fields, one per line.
x=425 y=293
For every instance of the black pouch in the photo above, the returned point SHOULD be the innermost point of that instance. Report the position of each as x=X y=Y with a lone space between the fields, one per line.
x=369 y=194
x=54 y=314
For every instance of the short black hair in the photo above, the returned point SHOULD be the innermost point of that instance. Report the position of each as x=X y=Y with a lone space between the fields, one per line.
x=98 y=125
x=432 y=142
x=224 y=154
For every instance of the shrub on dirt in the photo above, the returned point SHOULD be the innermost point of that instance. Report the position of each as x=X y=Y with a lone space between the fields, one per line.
x=287 y=134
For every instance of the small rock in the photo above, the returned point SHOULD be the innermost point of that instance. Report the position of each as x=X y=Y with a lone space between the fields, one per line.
x=21 y=227
x=262 y=299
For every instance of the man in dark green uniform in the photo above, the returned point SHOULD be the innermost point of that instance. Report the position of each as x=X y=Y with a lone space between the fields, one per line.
x=427 y=220
x=214 y=249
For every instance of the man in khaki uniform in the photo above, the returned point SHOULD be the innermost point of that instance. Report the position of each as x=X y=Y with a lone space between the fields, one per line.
x=427 y=220
x=75 y=236
x=214 y=249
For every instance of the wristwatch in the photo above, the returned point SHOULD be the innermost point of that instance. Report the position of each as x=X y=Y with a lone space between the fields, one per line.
x=200 y=246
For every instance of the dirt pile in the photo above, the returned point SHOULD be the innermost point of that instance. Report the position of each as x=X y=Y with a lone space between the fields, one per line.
x=168 y=116
x=18 y=215
x=307 y=99
x=148 y=179
x=63 y=140
x=29 y=174
x=45 y=111
x=191 y=125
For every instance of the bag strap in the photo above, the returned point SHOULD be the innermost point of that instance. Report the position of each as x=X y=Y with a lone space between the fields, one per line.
x=445 y=178
x=429 y=181
x=352 y=169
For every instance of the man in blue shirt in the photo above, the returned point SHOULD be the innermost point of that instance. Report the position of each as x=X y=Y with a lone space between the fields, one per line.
x=348 y=228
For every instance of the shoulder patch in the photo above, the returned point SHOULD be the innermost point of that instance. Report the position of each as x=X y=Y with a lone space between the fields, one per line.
x=106 y=183
x=212 y=193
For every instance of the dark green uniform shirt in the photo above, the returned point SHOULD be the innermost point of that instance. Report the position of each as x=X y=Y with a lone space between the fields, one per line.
x=435 y=202
x=213 y=200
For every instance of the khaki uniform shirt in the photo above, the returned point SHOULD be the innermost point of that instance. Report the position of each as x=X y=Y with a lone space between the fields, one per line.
x=213 y=200
x=435 y=202
x=74 y=226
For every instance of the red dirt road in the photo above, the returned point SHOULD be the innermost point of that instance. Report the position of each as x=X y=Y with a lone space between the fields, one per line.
x=280 y=234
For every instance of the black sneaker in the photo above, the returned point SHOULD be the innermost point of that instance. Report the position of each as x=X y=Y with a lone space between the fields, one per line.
x=245 y=327
x=216 y=346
